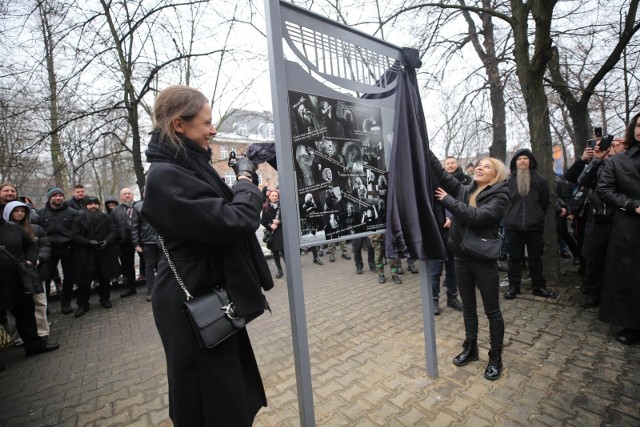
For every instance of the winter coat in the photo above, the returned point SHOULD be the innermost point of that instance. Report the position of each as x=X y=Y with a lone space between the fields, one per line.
x=90 y=261
x=44 y=250
x=18 y=243
x=57 y=223
x=484 y=219
x=209 y=231
x=142 y=233
x=124 y=217
x=77 y=204
x=589 y=179
x=619 y=187
x=268 y=215
x=527 y=213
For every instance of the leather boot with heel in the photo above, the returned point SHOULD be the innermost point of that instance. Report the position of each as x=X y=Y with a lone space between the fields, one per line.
x=469 y=352
x=494 y=367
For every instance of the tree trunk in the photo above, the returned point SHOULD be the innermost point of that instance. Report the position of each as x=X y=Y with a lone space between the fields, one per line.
x=57 y=156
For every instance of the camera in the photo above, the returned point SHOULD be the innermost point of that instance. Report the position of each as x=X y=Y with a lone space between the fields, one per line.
x=591 y=143
x=597 y=132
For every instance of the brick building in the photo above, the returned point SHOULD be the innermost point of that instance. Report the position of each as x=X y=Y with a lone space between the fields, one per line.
x=236 y=132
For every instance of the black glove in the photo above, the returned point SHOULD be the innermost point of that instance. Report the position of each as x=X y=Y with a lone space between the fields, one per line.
x=103 y=244
x=245 y=167
x=94 y=243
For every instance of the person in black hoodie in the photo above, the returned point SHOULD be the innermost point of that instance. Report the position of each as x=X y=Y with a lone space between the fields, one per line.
x=209 y=231
x=524 y=224
x=480 y=207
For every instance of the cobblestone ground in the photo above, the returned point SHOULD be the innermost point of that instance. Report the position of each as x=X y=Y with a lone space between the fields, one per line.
x=562 y=366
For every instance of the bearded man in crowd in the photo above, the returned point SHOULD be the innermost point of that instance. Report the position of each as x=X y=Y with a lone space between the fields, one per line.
x=524 y=224
x=96 y=256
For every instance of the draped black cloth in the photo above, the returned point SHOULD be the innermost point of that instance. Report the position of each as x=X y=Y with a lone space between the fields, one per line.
x=410 y=214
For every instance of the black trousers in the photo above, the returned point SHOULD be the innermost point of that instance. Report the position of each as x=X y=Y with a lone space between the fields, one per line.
x=562 y=228
x=534 y=242
x=63 y=254
x=150 y=255
x=25 y=315
x=472 y=274
x=594 y=251
x=357 y=245
x=84 y=291
x=127 y=263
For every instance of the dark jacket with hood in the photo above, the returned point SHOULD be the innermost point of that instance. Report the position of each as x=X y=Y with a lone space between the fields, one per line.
x=210 y=233
x=483 y=219
x=57 y=223
x=18 y=243
x=527 y=213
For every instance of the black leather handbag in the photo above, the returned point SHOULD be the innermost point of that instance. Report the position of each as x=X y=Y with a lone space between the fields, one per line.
x=484 y=248
x=27 y=273
x=211 y=316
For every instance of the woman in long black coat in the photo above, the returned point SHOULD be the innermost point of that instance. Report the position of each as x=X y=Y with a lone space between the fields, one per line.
x=271 y=220
x=209 y=231
x=619 y=187
x=479 y=207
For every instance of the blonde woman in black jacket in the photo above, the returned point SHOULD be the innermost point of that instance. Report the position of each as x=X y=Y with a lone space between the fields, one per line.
x=480 y=207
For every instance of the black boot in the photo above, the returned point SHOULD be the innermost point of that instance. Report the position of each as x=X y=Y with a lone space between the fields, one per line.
x=512 y=291
x=436 y=307
x=454 y=302
x=469 y=352
x=316 y=260
x=494 y=368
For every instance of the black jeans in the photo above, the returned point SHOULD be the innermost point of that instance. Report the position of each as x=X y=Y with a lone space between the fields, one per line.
x=127 y=263
x=63 y=254
x=483 y=275
x=594 y=251
x=516 y=242
x=150 y=255
x=357 y=245
x=436 y=266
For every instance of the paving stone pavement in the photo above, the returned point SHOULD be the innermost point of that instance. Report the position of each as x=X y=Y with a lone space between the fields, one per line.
x=562 y=366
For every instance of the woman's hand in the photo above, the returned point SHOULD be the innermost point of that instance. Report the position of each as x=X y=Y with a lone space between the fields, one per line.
x=440 y=194
x=274 y=226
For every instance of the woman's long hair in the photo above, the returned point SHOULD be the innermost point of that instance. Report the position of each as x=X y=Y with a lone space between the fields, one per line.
x=629 y=135
x=501 y=175
x=24 y=222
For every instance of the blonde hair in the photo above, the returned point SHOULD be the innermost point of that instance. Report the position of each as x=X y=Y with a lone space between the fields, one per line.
x=500 y=175
x=173 y=102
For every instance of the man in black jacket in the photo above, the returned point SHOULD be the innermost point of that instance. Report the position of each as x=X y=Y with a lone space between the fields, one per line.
x=524 y=223
x=145 y=242
x=96 y=255
x=77 y=201
x=56 y=218
x=124 y=215
x=437 y=266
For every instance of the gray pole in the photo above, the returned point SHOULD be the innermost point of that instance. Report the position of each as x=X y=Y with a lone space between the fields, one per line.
x=428 y=320
x=289 y=208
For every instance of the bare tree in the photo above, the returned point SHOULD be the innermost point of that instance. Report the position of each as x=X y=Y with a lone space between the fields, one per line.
x=577 y=97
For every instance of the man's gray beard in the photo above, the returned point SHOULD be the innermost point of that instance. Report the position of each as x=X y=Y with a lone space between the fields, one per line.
x=93 y=217
x=128 y=204
x=523 y=179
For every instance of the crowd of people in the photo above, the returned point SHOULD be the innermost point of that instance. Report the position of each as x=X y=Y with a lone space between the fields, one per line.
x=209 y=229
x=91 y=245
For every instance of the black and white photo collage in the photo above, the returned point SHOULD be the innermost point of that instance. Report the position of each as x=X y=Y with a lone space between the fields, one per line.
x=340 y=167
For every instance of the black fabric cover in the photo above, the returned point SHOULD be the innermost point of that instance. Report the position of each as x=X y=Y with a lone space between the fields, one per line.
x=410 y=213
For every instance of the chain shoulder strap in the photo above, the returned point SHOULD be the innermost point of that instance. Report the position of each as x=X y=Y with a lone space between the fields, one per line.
x=173 y=268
